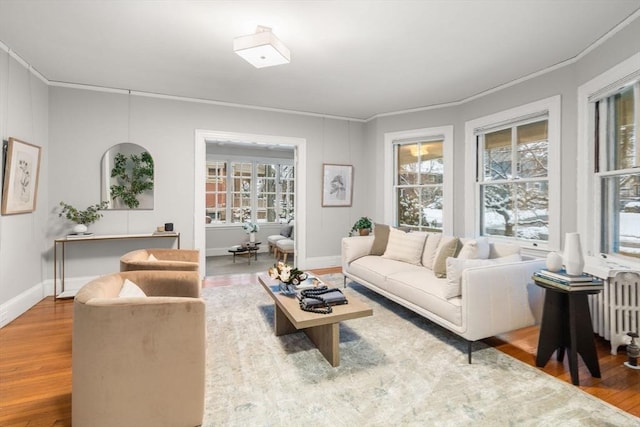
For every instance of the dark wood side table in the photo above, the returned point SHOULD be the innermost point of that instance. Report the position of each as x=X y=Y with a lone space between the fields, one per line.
x=566 y=324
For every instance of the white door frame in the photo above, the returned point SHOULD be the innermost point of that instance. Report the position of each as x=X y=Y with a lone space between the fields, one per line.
x=200 y=159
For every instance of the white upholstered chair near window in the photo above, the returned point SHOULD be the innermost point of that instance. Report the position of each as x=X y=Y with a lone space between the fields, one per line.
x=286 y=231
x=139 y=360
x=160 y=259
x=284 y=247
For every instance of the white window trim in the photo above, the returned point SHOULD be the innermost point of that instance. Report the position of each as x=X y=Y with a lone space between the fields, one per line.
x=200 y=157
x=472 y=188
x=446 y=132
x=588 y=197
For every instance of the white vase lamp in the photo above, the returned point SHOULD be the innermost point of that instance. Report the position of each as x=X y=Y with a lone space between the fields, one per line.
x=554 y=261
x=80 y=228
x=572 y=255
x=252 y=237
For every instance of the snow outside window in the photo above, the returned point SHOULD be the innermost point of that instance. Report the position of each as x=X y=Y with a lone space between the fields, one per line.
x=513 y=178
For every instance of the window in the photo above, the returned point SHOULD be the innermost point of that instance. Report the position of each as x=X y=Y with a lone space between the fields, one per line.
x=616 y=170
x=516 y=157
x=260 y=191
x=418 y=184
x=513 y=180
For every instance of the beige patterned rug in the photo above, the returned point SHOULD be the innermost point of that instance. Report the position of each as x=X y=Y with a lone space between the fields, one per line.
x=396 y=368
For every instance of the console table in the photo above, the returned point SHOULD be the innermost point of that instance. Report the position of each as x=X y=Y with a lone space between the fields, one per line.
x=63 y=241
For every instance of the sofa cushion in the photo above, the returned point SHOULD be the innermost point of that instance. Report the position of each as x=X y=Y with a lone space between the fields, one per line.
x=286 y=230
x=455 y=266
x=380 y=238
x=430 y=248
x=406 y=247
x=375 y=269
x=131 y=290
x=499 y=250
x=475 y=249
x=448 y=247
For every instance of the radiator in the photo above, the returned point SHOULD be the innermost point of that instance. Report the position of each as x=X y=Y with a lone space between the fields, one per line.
x=615 y=311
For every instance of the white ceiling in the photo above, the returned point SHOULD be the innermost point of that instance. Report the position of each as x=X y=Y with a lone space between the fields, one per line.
x=351 y=59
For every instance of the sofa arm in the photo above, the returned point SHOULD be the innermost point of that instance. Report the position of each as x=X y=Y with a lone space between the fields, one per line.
x=500 y=298
x=355 y=247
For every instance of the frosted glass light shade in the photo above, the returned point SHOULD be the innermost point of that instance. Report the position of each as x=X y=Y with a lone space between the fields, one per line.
x=262 y=49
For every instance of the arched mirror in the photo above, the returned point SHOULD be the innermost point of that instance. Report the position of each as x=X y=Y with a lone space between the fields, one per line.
x=127 y=177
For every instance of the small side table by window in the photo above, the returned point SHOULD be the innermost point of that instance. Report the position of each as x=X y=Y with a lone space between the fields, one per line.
x=566 y=324
x=246 y=249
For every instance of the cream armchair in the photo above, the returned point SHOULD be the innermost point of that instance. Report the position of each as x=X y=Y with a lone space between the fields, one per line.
x=160 y=259
x=139 y=361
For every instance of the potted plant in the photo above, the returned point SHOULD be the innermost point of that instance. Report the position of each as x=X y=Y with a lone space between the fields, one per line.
x=82 y=218
x=363 y=226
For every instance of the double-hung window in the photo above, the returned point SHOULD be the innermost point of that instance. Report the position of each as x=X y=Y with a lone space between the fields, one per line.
x=250 y=190
x=617 y=169
x=516 y=154
x=419 y=181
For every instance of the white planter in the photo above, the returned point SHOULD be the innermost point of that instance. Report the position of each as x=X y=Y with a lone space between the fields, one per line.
x=252 y=237
x=80 y=228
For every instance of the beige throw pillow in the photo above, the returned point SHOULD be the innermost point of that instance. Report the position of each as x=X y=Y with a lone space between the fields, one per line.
x=406 y=247
x=448 y=247
x=152 y=258
x=131 y=290
x=380 y=239
x=430 y=248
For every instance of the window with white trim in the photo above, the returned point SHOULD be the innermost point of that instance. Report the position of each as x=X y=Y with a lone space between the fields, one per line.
x=617 y=169
x=516 y=181
x=250 y=190
x=419 y=184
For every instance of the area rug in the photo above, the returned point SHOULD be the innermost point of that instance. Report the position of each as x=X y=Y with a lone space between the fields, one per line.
x=396 y=368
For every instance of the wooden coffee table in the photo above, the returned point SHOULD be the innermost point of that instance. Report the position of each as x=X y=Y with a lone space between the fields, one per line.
x=322 y=329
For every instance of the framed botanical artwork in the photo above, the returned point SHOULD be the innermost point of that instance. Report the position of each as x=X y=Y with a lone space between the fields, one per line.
x=21 y=171
x=337 y=185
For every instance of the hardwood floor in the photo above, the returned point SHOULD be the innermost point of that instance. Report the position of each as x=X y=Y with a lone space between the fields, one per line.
x=35 y=363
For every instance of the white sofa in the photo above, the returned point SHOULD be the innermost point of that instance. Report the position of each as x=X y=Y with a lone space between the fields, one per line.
x=495 y=297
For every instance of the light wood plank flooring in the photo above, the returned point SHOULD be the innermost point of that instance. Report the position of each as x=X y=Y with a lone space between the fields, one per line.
x=35 y=363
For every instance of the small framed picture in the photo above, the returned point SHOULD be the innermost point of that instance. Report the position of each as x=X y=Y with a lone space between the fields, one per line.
x=22 y=168
x=337 y=185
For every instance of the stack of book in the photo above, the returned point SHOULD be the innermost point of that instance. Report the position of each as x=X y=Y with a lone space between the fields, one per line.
x=560 y=279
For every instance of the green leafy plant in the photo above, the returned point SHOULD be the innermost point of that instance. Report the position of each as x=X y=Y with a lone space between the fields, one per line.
x=86 y=217
x=363 y=223
x=134 y=176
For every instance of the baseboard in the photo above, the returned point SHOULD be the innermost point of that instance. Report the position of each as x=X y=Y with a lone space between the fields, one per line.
x=19 y=304
x=321 y=262
x=71 y=285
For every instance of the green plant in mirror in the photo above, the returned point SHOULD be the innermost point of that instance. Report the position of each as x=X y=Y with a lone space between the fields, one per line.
x=88 y=216
x=134 y=176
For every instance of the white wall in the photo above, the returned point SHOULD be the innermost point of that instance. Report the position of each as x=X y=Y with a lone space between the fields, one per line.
x=23 y=115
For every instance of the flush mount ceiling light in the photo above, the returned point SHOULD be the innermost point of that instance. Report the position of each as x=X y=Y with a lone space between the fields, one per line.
x=262 y=49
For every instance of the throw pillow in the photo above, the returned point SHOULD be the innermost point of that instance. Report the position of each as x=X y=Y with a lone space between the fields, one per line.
x=131 y=290
x=286 y=230
x=448 y=247
x=455 y=266
x=430 y=248
x=152 y=258
x=380 y=239
x=406 y=247
x=475 y=249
